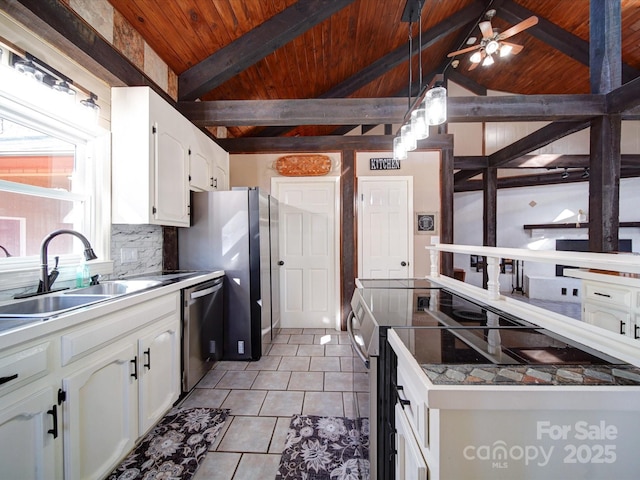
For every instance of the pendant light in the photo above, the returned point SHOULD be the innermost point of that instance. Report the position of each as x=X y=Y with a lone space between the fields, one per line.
x=436 y=105
x=431 y=111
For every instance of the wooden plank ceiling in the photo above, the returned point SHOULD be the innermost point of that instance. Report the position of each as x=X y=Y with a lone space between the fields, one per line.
x=275 y=49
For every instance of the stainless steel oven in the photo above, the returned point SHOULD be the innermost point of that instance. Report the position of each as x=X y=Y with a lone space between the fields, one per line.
x=376 y=305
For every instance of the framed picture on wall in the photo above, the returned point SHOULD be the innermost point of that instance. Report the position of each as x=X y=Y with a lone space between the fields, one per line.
x=426 y=223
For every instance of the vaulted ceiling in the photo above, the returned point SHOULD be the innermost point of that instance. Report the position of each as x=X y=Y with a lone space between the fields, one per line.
x=288 y=49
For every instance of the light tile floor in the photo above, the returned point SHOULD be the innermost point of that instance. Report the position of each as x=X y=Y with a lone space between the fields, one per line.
x=306 y=371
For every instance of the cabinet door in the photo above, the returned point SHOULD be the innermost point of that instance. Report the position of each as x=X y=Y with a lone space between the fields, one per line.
x=410 y=464
x=617 y=321
x=159 y=386
x=100 y=413
x=200 y=171
x=171 y=193
x=27 y=449
x=221 y=170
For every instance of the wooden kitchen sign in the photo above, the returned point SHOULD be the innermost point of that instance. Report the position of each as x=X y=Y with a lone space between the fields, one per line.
x=384 y=164
x=303 y=165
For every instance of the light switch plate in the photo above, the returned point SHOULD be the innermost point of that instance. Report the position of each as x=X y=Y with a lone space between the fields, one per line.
x=128 y=255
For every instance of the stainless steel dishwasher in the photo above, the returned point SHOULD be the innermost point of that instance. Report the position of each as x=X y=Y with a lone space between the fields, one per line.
x=202 y=335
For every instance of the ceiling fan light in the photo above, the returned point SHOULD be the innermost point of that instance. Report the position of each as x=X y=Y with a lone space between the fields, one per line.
x=505 y=50
x=476 y=57
x=492 y=47
x=488 y=60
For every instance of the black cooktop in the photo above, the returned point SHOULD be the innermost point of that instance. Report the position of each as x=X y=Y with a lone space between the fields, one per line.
x=439 y=326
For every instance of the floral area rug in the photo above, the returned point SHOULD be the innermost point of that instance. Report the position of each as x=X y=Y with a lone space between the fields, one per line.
x=325 y=448
x=176 y=446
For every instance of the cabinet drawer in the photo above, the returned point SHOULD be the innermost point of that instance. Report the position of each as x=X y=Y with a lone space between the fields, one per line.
x=108 y=329
x=607 y=294
x=24 y=365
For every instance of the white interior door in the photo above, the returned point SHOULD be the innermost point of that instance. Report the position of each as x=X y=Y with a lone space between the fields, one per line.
x=385 y=233
x=309 y=245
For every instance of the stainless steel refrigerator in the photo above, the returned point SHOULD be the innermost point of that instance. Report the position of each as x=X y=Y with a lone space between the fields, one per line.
x=237 y=231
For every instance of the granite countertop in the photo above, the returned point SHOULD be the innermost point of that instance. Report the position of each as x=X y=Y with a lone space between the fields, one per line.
x=613 y=375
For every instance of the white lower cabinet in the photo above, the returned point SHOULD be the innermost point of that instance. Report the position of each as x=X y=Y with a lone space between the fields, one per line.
x=614 y=307
x=617 y=321
x=410 y=464
x=30 y=429
x=100 y=413
x=159 y=375
x=116 y=397
x=73 y=404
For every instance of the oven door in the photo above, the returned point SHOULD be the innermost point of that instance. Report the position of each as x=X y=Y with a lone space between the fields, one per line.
x=363 y=393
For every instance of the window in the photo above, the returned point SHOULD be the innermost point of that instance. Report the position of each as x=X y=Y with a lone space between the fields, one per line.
x=54 y=174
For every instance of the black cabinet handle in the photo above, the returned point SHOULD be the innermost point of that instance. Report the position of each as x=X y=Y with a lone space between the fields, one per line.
x=622 y=324
x=635 y=333
x=403 y=401
x=8 y=379
x=147 y=353
x=602 y=294
x=135 y=367
x=54 y=413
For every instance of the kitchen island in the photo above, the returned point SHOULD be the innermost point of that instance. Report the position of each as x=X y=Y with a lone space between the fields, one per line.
x=478 y=385
x=79 y=388
x=484 y=421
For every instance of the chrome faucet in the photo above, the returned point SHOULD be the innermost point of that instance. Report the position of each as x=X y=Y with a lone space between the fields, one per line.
x=88 y=254
x=6 y=252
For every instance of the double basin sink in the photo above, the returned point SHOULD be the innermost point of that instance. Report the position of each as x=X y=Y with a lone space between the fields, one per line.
x=46 y=306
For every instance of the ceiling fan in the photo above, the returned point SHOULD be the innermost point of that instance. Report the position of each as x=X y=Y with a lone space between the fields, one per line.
x=493 y=41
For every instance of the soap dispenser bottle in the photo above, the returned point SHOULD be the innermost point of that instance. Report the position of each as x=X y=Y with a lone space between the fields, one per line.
x=82 y=275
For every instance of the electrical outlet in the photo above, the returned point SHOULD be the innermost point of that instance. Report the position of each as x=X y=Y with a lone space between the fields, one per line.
x=240 y=347
x=564 y=291
x=128 y=255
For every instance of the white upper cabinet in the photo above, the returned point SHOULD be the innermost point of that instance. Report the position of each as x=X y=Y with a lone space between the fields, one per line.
x=150 y=167
x=158 y=156
x=208 y=163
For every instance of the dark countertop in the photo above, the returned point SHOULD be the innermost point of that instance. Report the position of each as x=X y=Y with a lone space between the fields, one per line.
x=615 y=375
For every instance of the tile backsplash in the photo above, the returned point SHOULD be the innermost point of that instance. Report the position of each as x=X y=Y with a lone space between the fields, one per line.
x=135 y=249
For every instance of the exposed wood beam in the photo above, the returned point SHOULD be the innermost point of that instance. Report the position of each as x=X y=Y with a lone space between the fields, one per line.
x=605 y=25
x=255 y=45
x=341 y=111
x=328 y=143
x=538 y=161
x=539 y=138
x=624 y=98
x=558 y=38
x=605 y=51
x=534 y=180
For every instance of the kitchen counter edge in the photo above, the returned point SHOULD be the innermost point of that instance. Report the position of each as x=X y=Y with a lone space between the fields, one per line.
x=76 y=317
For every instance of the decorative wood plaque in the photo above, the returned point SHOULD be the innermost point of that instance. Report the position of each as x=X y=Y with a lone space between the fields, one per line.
x=303 y=165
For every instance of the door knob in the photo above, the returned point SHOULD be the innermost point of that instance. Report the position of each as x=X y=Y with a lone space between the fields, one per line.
x=404 y=264
x=281 y=263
